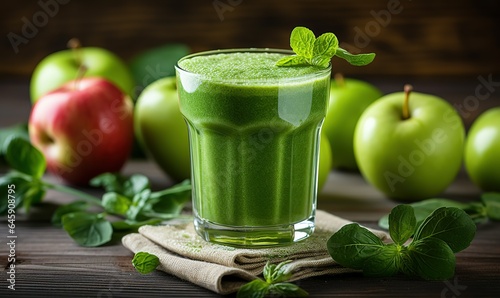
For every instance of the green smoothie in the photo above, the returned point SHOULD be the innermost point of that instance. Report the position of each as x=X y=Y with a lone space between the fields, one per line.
x=254 y=137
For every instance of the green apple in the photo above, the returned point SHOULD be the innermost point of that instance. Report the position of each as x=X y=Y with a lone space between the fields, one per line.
x=348 y=99
x=63 y=66
x=156 y=63
x=482 y=151
x=160 y=128
x=325 y=161
x=409 y=148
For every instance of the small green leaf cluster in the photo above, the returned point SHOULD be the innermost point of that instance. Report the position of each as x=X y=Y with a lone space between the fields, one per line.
x=128 y=198
x=430 y=255
x=273 y=285
x=319 y=51
x=145 y=262
x=480 y=212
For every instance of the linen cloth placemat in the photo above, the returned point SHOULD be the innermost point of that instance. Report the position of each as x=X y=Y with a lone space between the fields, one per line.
x=223 y=269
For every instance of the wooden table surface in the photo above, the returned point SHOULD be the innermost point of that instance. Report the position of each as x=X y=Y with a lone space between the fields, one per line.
x=49 y=263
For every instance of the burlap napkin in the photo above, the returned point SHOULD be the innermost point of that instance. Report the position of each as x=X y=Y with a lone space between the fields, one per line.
x=224 y=269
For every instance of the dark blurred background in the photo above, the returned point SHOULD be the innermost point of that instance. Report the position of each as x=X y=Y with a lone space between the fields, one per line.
x=414 y=39
x=418 y=37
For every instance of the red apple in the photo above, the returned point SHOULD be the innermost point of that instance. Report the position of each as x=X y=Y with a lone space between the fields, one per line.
x=84 y=128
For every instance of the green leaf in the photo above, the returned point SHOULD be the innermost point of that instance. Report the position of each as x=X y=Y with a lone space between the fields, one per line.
x=14 y=186
x=126 y=225
x=257 y=288
x=19 y=130
x=33 y=195
x=87 y=229
x=356 y=60
x=402 y=223
x=450 y=224
x=24 y=157
x=276 y=273
x=432 y=259
x=325 y=45
x=65 y=209
x=385 y=263
x=27 y=190
x=321 y=61
x=111 y=182
x=424 y=208
x=352 y=245
x=145 y=262
x=286 y=289
x=492 y=202
x=139 y=204
x=116 y=203
x=114 y=182
x=292 y=61
x=302 y=41
x=171 y=200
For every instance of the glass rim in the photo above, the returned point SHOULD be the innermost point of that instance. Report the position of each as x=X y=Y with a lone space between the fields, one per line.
x=309 y=76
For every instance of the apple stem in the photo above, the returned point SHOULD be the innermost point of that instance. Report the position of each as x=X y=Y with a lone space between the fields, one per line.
x=406 y=105
x=339 y=79
x=75 y=45
x=61 y=188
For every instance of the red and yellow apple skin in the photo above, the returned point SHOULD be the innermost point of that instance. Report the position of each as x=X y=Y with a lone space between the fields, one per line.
x=84 y=128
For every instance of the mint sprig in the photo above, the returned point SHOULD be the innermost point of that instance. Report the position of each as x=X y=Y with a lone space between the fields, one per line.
x=319 y=51
x=273 y=285
x=90 y=221
x=430 y=254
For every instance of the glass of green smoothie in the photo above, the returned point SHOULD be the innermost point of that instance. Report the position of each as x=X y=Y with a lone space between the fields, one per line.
x=254 y=132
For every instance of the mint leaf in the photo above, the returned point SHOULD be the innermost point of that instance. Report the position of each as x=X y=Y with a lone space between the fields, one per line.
x=319 y=51
x=491 y=201
x=352 y=245
x=65 y=209
x=432 y=259
x=274 y=285
x=276 y=273
x=402 y=223
x=257 y=288
x=24 y=157
x=171 y=200
x=292 y=61
x=429 y=256
x=18 y=186
x=302 y=41
x=452 y=225
x=87 y=229
x=356 y=60
x=114 y=182
x=145 y=262
x=116 y=203
x=286 y=289
x=384 y=263
x=325 y=45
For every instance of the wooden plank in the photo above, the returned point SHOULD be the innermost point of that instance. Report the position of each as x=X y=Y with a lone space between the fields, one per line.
x=425 y=38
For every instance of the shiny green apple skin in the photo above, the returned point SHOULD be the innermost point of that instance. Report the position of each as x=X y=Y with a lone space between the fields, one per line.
x=60 y=67
x=161 y=129
x=482 y=151
x=410 y=159
x=347 y=103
